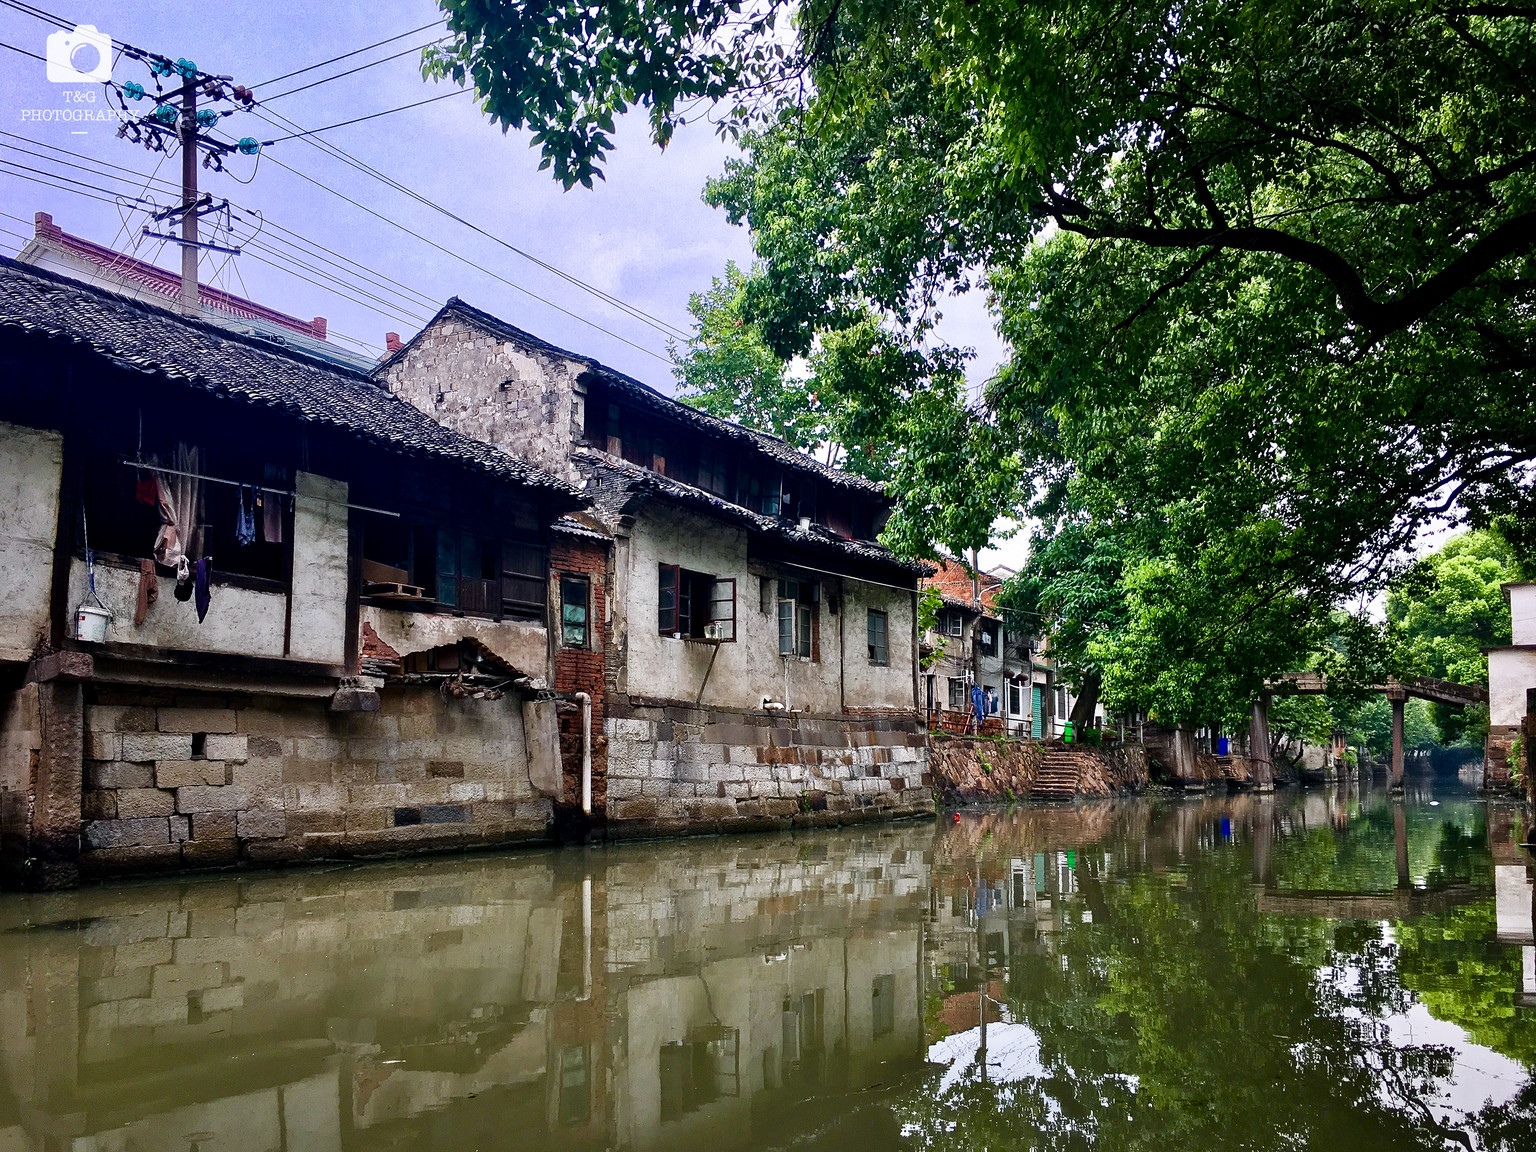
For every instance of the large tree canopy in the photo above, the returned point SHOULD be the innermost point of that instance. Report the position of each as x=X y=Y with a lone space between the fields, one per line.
x=1266 y=269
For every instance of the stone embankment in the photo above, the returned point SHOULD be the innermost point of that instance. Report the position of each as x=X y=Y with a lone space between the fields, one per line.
x=969 y=770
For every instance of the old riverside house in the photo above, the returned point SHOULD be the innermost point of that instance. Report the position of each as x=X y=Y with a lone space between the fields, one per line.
x=263 y=610
x=749 y=649
x=189 y=515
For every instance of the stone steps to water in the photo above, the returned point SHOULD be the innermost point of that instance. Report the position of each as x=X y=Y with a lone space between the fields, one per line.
x=1059 y=778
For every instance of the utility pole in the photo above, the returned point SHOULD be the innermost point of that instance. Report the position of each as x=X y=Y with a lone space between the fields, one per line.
x=188 y=126
x=176 y=121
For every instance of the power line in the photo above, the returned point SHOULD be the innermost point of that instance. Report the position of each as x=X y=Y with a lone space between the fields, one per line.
x=372 y=278
x=671 y=331
x=349 y=72
x=636 y=313
x=467 y=261
x=347 y=55
x=335 y=287
x=23 y=51
x=371 y=116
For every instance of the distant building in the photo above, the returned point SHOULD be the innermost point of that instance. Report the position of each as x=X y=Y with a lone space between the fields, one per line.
x=1017 y=675
x=1511 y=674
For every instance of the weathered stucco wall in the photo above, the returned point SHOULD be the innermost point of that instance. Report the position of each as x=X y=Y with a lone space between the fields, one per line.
x=869 y=685
x=1522 y=613
x=750 y=670
x=1510 y=672
x=31 y=463
x=179 y=781
x=521 y=643
x=492 y=389
x=319 y=625
x=239 y=619
x=21 y=742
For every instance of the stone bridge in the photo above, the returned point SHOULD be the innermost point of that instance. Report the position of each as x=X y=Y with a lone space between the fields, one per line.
x=1396 y=692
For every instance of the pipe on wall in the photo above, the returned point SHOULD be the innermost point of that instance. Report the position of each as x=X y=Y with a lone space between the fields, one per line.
x=585 y=700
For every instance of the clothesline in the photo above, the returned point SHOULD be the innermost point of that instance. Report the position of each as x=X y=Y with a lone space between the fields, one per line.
x=254 y=487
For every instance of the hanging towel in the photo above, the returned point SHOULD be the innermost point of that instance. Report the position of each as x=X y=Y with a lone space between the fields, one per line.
x=201 y=589
x=149 y=591
x=178 y=496
x=271 y=510
x=147 y=491
x=245 y=519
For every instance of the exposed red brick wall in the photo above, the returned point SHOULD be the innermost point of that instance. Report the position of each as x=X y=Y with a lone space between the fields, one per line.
x=583 y=670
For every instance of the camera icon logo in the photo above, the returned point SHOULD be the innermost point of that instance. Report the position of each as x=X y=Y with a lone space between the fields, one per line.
x=83 y=56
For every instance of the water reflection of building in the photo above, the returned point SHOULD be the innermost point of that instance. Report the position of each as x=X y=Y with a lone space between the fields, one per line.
x=682 y=996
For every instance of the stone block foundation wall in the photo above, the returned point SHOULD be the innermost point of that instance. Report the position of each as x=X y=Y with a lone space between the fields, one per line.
x=177 y=781
x=674 y=769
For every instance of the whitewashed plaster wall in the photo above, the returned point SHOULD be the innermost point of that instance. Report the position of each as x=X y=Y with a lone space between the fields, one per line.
x=1510 y=672
x=319 y=625
x=239 y=619
x=31 y=464
x=751 y=669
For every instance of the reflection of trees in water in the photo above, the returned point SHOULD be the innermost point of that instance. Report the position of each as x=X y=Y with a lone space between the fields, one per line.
x=1453 y=964
x=1181 y=1017
x=1360 y=855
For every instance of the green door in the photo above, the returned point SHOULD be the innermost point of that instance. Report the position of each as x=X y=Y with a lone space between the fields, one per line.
x=1036 y=711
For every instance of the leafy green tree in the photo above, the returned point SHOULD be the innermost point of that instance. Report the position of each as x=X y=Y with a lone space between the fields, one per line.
x=1450 y=606
x=1283 y=318
x=727 y=370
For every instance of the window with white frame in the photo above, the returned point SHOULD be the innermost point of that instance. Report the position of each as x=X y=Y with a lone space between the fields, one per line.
x=797 y=617
x=878 y=627
x=694 y=605
x=959 y=697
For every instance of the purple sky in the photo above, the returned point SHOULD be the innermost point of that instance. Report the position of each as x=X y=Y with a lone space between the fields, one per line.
x=643 y=236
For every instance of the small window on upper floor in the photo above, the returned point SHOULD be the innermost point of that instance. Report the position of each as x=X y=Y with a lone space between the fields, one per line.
x=797 y=617
x=693 y=605
x=877 y=628
x=575 y=607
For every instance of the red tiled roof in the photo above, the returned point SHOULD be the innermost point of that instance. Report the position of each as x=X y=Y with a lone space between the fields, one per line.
x=168 y=284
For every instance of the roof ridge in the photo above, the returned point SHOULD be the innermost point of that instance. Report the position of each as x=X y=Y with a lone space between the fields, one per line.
x=285 y=351
x=671 y=403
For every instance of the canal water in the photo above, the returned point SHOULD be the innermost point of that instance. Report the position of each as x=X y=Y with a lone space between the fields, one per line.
x=1325 y=970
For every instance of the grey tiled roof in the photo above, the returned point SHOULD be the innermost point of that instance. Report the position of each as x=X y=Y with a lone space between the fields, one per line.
x=612 y=485
x=142 y=337
x=644 y=394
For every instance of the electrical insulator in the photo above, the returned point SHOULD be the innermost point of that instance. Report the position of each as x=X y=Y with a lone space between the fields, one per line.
x=243 y=94
x=164 y=114
x=207 y=117
x=133 y=90
x=185 y=68
x=248 y=146
x=161 y=67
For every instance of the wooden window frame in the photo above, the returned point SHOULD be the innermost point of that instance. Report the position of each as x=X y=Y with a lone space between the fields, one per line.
x=585 y=583
x=879 y=654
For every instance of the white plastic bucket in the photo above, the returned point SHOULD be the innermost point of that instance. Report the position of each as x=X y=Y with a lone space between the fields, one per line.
x=91 y=623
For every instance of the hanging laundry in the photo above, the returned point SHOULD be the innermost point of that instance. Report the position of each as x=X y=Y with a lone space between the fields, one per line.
x=203 y=595
x=147 y=491
x=245 y=518
x=272 y=509
x=149 y=591
x=178 y=495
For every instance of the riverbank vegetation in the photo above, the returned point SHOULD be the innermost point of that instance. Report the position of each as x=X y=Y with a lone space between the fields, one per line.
x=1265 y=274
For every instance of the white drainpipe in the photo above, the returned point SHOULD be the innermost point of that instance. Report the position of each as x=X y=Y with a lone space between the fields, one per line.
x=586 y=751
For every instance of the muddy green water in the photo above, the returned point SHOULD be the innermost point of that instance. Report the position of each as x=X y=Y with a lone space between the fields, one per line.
x=1327 y=970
